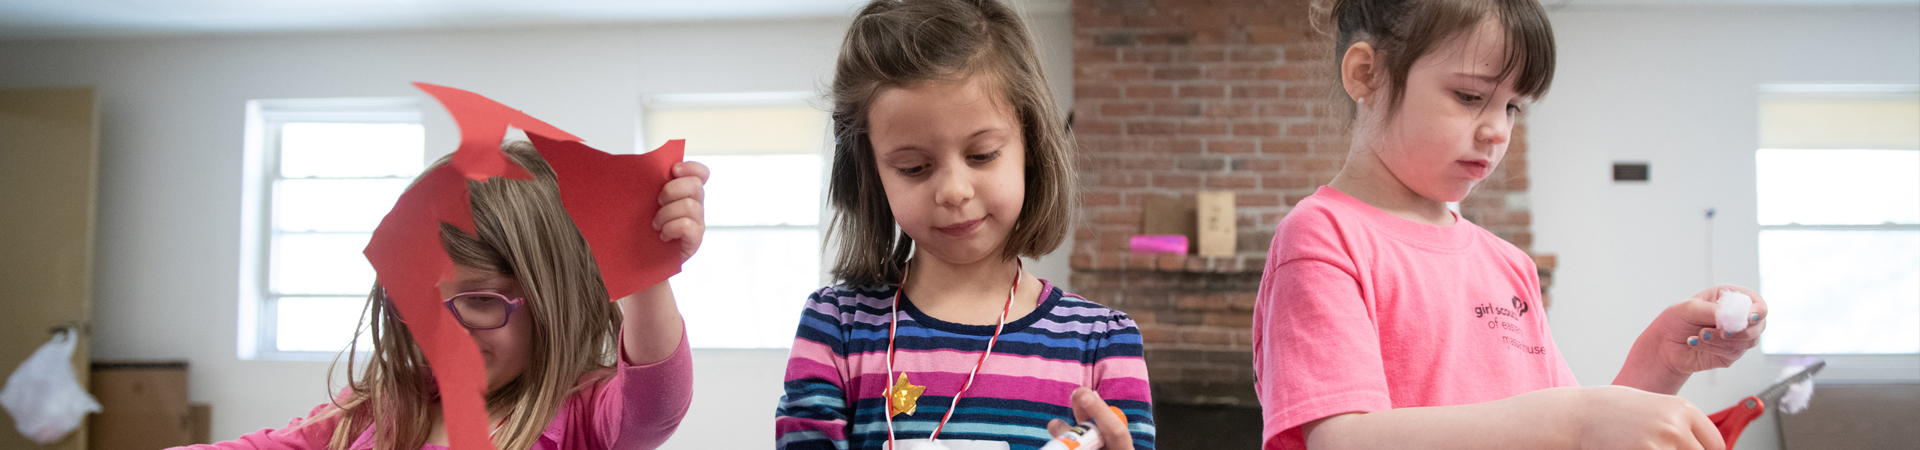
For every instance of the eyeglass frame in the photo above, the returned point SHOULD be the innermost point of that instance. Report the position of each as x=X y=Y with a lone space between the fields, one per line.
x=513 y=303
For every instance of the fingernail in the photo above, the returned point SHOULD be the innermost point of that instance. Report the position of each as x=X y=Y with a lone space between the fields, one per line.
x=1693 y=341
x=1709 y=335
x=1754 y=318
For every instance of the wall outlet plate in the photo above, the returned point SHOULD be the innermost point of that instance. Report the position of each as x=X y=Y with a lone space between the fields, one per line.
x=1630 y=170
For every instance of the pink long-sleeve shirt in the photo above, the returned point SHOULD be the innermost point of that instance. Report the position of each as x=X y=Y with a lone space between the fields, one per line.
x=637 y=408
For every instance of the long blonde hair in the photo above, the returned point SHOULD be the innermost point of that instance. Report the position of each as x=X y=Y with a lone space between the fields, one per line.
x=523 y=233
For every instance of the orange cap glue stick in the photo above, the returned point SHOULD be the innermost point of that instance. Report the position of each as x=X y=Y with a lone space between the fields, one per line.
x=1085 y=436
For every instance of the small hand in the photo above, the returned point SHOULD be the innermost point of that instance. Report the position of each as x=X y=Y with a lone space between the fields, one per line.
x=682 y=213
x=1617 y=417
x=1690 y=340
x=1087 y=404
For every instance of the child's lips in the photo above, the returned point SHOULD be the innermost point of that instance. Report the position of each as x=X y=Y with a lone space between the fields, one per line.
x=1475 y=169
x=962 y=228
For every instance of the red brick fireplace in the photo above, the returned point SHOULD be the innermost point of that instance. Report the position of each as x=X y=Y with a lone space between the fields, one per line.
x=1176 y=97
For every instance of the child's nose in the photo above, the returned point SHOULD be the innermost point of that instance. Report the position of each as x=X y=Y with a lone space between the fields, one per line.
x=1495 y=131
x=955 y=188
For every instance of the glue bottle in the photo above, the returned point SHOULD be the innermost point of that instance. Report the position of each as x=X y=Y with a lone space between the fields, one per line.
x=1085 y=436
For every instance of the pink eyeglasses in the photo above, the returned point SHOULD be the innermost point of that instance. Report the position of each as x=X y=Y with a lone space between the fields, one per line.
x=474 y=310
x=483 y=310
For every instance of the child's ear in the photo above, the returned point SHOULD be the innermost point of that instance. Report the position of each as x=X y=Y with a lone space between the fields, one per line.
x=1359 y=69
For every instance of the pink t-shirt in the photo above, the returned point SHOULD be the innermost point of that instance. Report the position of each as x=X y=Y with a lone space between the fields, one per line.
x=1363 y=311
x=637 y=408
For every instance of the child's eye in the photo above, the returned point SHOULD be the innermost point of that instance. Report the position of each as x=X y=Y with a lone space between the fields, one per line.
x=1466 y=97
x=1513 y=110
x=984 y=157
x=913 y=171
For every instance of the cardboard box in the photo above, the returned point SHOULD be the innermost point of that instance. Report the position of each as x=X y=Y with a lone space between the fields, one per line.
x=200 y=420
x=1164 y=214
x=1218 y=225
x=143 y=406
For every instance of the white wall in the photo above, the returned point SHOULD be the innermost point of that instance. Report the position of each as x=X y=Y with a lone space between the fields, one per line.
x=1678 y=87
x=171 y=139
x=1672 y=86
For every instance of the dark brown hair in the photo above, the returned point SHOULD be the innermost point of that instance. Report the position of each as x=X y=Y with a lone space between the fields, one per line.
x=1401 y=31
x=898 y=43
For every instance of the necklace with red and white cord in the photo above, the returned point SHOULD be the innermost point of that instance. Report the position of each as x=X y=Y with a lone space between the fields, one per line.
x=893 y=313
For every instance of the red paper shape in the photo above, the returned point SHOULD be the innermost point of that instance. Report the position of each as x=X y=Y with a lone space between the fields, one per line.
x=611 y=199
x=405 y=251
x=483 y=122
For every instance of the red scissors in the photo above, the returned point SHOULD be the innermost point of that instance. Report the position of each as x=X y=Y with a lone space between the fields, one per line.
x=1732 y=421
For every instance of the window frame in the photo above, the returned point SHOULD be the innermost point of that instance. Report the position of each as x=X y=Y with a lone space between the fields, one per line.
x=776 y=99
x=259 y=307
x=1841 y=366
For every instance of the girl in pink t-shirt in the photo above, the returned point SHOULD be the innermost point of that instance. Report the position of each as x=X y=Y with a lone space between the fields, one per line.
x=565 y=368
x=1386 y=321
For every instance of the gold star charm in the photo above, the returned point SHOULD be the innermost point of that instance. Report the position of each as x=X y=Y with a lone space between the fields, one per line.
x=903 y=397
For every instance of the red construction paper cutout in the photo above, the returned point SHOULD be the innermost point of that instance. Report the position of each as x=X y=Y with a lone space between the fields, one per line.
x=483 y=122
x=405 y=251
x=611 y=199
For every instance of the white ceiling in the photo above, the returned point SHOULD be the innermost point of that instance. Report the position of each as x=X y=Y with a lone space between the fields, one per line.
x=20 y=19
x=41 y=19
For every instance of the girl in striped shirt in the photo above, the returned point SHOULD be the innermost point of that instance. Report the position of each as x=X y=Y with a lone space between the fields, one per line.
x=951 y=163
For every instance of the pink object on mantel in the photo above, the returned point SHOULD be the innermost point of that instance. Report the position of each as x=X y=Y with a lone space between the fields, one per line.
x=1160 y=243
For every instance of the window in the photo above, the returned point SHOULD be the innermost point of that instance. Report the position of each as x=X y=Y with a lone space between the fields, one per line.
x=1839 y=209
x=761 y=254
x=321 y=175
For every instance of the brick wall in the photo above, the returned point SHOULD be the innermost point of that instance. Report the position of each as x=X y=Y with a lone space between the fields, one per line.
x=1175 y=97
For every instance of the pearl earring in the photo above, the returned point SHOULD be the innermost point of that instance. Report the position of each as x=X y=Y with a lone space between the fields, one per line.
x=1363 y=100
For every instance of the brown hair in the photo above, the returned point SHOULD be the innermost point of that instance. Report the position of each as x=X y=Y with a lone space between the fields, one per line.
x=523 y=232
x=896 y=43
x=1401 y=31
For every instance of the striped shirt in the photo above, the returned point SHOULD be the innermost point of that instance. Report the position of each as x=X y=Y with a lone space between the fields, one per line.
x=837 y=374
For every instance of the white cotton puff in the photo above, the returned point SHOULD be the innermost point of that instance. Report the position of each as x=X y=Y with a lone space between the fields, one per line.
x=1798 y=394
x=1733 y=311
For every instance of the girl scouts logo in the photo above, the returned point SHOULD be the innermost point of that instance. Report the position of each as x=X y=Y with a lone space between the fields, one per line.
x=1519 y=310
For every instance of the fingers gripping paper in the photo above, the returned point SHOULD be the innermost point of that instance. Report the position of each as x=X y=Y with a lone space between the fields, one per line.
x=611 y=198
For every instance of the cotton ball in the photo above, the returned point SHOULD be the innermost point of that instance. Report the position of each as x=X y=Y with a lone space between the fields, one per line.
x=1733 y=311
x=1798 y=394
